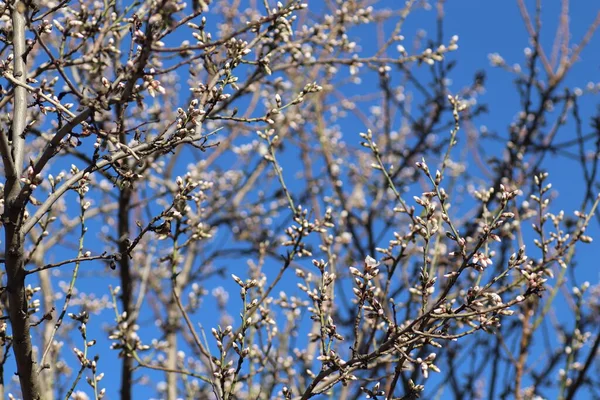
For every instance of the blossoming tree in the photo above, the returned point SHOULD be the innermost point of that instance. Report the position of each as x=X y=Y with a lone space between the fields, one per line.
x=246 y=200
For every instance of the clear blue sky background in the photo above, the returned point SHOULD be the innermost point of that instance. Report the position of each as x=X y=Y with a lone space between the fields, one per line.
x=484 y=27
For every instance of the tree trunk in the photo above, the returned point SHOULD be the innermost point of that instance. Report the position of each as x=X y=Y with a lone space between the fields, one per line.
x=126 y=285
x=18 y=307
x=12 y=220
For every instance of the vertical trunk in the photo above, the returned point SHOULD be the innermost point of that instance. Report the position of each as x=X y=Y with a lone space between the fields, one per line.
x=19 y=318
x=171 y=337
x=173 y=327
x=126 y=285
x=12 y=221
x=48 y=374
